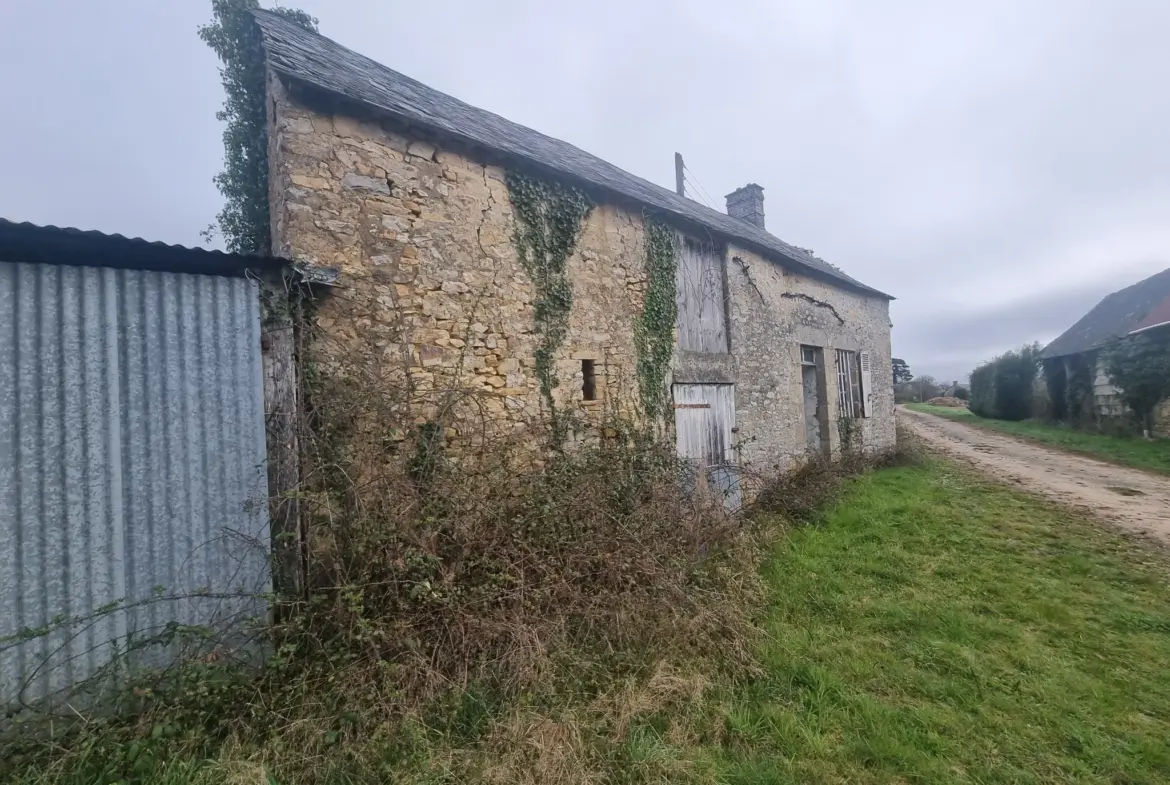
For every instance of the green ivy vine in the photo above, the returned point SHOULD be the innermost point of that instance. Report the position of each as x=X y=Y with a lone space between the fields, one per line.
x=654 y=328
x=235 y=37
x=549 y=219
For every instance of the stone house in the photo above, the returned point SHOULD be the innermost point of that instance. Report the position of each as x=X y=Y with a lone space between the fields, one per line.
x=1075 y=353
x=406 y=192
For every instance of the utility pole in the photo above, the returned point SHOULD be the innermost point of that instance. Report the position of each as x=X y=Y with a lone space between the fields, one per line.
x=680 y=185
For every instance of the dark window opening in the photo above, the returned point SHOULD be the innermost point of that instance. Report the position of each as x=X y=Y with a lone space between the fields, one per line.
x=588 y=380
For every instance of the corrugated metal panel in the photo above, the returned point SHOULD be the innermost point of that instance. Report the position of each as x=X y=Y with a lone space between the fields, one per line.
x=131 y=463
x=702 y=308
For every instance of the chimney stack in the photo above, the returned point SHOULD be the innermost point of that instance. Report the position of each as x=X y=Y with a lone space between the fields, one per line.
x=747 y=204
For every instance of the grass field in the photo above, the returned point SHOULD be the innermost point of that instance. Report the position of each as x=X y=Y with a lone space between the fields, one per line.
x=933 y=628
x=1135 y=452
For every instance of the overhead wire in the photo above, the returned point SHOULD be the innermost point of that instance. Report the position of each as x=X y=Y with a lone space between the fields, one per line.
x=696 y=192
x=706 y=197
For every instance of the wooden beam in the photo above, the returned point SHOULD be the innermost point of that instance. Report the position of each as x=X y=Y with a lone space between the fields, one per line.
x=282 y=414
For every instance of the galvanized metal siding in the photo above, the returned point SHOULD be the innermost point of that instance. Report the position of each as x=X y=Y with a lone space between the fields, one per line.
x=131 y=463
x=701 y=299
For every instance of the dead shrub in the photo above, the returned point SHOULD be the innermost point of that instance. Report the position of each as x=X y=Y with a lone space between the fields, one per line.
x=490 y=566
x=469 y=580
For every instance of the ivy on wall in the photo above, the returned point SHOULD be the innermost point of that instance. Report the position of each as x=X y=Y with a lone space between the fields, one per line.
x=1080 y=401
x=654 y=327
x=1139 y=367
x=1056 y=381
x=549 y=219
x=234 y=36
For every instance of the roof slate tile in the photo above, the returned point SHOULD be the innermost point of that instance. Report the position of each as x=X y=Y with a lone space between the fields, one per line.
x=315 y=60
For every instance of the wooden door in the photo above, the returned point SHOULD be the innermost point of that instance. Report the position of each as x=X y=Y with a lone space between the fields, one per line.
x=704 y=419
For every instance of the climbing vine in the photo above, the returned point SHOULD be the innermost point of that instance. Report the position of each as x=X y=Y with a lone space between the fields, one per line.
x=1139 y=367
x=234 y=36
x=1081 y=375
x=549 y=218
x=654 y=328
x=1056 y=382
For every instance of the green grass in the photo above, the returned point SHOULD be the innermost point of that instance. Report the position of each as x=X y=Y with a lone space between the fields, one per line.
x=1138 y=453
x=933 y=628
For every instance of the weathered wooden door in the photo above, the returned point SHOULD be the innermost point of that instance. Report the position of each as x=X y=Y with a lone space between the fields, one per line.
x=812 y=405
x=704 y=419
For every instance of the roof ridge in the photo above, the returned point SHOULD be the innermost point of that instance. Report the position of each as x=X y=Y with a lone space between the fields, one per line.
x=321 y=62
x=1115 y=314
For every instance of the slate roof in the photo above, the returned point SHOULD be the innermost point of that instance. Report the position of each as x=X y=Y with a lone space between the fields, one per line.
x=1118 y=314
x=322 y=63
x=1158 y=316
x=29 y=243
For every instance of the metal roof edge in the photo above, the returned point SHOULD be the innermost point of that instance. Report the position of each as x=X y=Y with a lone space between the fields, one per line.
x=35 y=244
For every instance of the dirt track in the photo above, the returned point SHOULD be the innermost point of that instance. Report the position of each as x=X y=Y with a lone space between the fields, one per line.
x=1129 y=497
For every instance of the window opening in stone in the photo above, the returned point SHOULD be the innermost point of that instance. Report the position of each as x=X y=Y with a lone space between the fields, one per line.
x=588 y=380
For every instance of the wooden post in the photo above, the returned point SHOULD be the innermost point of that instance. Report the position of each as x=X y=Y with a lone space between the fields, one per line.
x=282 y=417
x=680 y=182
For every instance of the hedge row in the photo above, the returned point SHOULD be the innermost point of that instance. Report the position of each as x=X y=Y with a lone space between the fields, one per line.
x=1003 y=388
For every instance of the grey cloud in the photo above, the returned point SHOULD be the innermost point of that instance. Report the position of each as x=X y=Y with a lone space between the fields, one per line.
x=949 y=342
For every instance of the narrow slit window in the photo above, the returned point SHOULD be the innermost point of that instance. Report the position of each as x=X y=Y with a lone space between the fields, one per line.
x=588 y=380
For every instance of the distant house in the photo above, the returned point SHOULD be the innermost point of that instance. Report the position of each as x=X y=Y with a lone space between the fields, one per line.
x=406 y=191
x=1076 y=353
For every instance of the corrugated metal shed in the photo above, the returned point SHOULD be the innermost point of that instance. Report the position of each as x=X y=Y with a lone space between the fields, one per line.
x=132 y=463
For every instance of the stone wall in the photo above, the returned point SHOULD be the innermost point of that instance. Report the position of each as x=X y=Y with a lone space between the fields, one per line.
x=773 y=312
x=431 y=291
x=433 y=303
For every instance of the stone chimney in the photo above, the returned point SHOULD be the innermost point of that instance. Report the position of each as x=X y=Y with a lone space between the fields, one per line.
x=747 y=204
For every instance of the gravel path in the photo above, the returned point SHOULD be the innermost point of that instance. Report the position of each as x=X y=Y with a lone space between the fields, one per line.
x=1130 y=498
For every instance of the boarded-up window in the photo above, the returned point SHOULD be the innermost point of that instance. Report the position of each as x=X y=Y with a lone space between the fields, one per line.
x=702 y=311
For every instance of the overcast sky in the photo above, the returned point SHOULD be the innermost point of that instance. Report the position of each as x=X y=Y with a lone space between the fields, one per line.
x=997 y=166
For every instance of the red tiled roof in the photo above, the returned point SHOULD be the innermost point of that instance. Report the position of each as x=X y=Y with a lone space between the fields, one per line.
x=1159 y=314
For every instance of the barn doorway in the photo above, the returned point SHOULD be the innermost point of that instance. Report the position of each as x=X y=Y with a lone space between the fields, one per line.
x=813 y=384
x=704 y=419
